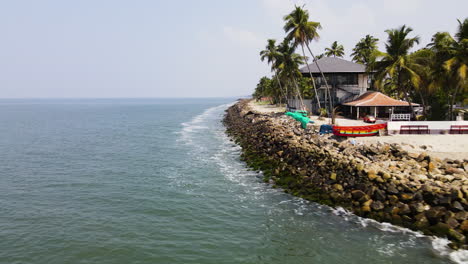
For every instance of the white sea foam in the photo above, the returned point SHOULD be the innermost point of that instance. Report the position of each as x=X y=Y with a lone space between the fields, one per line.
x=439 y=245
x=199 y=123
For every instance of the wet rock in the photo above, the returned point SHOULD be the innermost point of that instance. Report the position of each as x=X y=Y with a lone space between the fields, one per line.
x=417 y=208
x=372 y=175
x=406 y=196
x=435 y=214
x=403 y=209
x=463 y=215
x=392 y=189
x=456 y=235
x=421 y=222
x=464 y=226
x=440 y=229
x=357 y=194
x=379 y=195
x=457 y=206
x=338 y=187
x=377 y=205
x=452 y=222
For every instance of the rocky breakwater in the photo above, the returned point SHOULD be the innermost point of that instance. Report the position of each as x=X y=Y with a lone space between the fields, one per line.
x=382 y=182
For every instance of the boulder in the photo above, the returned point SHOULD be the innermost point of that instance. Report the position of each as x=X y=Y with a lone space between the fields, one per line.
x=377 y=205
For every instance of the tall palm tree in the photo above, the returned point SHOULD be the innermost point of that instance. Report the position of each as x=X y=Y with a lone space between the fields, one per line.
x=458 y=63
x=302 y=31
x=288 y=63
x=335 y=50
x=450 y=64
x=270 y=53
x=365 y=52
x=396 y=65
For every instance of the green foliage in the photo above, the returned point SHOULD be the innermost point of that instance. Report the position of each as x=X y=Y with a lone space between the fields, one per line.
x=366 y=52
x=265 y=88
x=298 y=27
x=435 y=76
x=305 y=87
x=397 y=69
x=335 y=50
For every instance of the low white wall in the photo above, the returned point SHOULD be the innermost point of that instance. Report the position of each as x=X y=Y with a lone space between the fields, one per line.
x=434 y=126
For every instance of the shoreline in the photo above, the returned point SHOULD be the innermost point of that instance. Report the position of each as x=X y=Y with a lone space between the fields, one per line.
x=382 y=181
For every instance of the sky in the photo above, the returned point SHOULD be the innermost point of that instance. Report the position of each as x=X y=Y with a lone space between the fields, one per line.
x=185 y=48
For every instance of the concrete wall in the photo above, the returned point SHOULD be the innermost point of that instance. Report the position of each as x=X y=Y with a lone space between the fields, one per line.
x=362 y=81
x=435 y=127
x=307 y=102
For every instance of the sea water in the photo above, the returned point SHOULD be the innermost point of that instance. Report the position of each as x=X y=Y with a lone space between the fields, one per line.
x=158 y=181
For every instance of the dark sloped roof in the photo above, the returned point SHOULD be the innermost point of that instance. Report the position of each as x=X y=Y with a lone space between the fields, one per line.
x=334 y=65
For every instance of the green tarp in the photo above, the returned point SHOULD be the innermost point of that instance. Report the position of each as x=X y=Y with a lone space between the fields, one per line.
x=299 y=116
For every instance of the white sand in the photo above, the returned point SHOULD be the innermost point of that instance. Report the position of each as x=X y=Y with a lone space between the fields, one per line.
x=266 y=109
x=441 y=146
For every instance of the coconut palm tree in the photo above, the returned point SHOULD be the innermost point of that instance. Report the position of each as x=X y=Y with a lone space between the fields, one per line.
x=288 y=63
x=318 y=57
x=396 y=66
x=458 y=63
x=335 y=50
x=449 y=68
x=270 y=53
x=365 y=52
x=302 y=31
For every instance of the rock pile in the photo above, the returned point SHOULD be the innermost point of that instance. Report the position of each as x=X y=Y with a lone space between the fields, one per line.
x=381 y=181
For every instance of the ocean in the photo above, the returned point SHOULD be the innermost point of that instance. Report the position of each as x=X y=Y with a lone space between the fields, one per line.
x=158 y=181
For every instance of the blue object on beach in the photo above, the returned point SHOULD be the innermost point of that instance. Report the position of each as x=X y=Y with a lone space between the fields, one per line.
x=325 y=129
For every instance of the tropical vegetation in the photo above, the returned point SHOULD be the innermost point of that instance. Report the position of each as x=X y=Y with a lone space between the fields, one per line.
x=434 y=76
x=335 y=50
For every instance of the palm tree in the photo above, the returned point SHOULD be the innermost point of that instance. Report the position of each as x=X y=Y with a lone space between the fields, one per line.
x=302 y=31
x=450 y=64
x=365 y=52
x=458 y=63
x=335 y=50
x=318 y=57
x=288 y=63
x=396 y=66
x=270 y=53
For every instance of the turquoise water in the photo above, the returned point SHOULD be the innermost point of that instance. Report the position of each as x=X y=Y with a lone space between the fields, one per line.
x=157 y=181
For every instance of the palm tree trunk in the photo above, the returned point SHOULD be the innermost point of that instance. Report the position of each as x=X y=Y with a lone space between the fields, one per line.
x=423 y=103
x=311 y=78
x=452 y=102
x=299 y=93
x=325 y=79
x=281 y=86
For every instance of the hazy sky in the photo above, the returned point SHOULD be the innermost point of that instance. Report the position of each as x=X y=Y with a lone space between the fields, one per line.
x=199 y=48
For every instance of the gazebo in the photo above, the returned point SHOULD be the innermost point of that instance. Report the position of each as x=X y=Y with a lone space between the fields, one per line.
x=377 y=104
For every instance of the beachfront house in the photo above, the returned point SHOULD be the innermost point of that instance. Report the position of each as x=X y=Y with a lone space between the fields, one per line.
x=347 y=80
